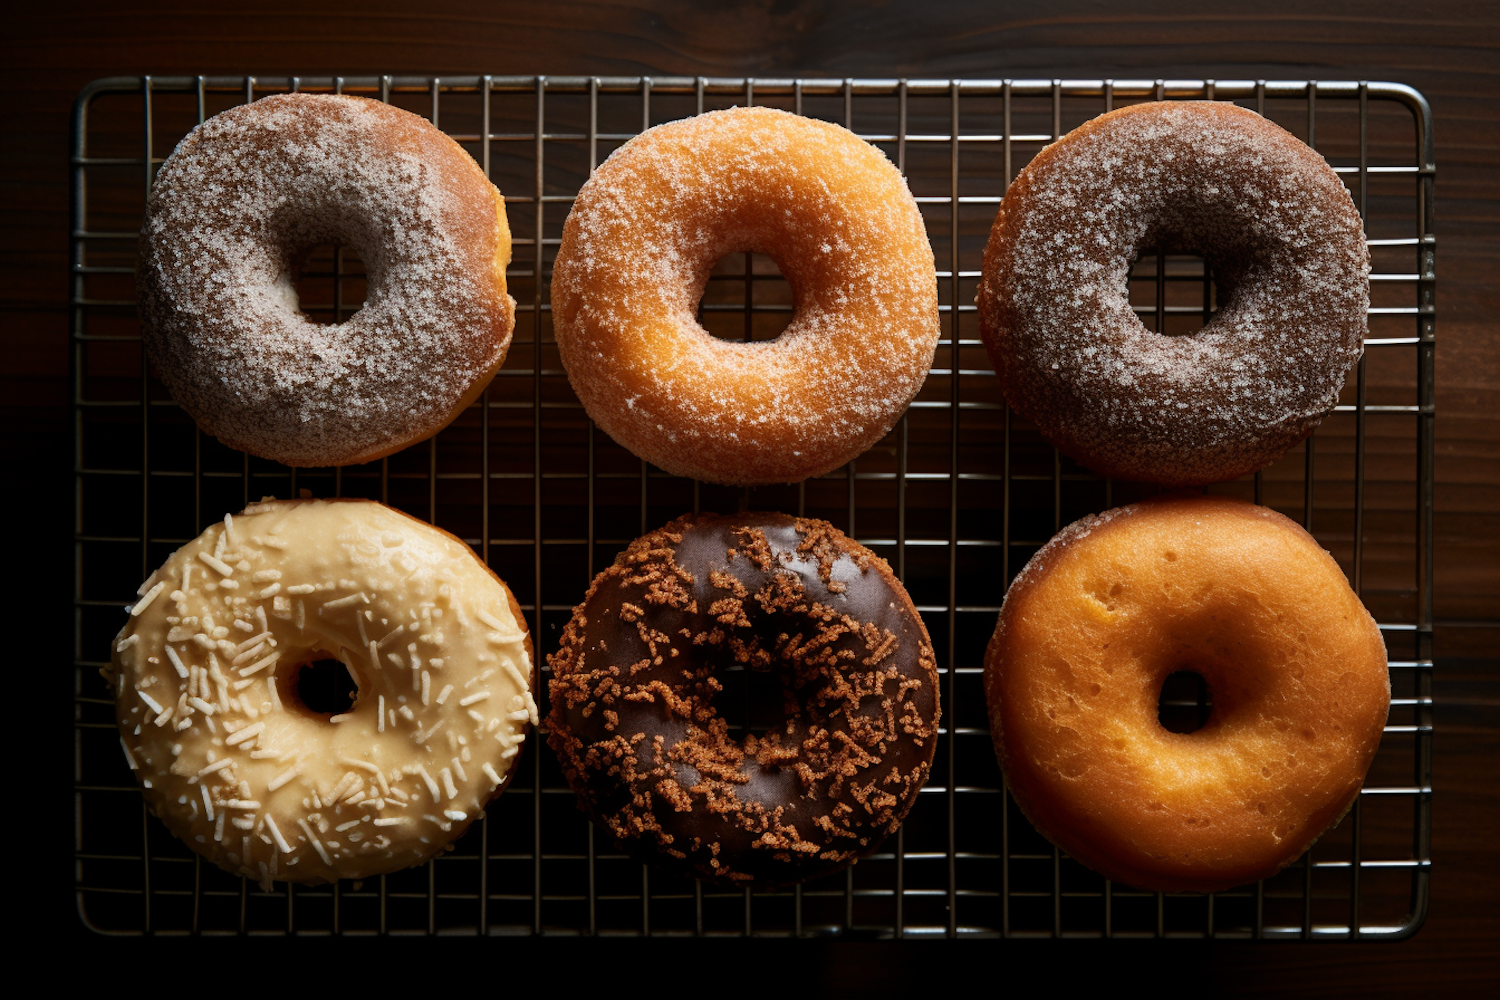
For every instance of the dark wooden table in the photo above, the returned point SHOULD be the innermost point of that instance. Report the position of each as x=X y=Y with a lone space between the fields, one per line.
x=1449 y=51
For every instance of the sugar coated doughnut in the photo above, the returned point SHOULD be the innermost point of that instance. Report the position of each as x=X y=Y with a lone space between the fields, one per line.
x=1286 y=248
x=636 y=254
x=648 y=749
x=232 y=758
x=232 y=212
x=1296 y=671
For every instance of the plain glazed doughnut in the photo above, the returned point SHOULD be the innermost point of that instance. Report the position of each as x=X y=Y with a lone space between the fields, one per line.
x=231 y=758
x=1287 y=250
x=234 y=208
x=636 y=253
x=1295 y=666
x=650 y=754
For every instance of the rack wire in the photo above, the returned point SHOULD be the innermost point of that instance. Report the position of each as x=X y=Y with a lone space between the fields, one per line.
x=957 y=497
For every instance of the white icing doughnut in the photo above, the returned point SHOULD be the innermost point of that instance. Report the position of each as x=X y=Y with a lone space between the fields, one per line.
x=232 y=760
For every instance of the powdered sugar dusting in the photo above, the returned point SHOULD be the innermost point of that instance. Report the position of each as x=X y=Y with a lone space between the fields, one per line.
x=1288 y=253
x=249 y=191
x=636 y=255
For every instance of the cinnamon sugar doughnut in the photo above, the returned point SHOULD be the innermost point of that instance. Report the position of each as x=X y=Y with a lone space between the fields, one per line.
x=1287 y=250
x=636 y=254
x=648 y=751
x=1295 y=666
x=242 y=770
x=231 y=212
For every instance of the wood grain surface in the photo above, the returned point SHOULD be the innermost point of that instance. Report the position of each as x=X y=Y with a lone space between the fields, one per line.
x=1449 y=51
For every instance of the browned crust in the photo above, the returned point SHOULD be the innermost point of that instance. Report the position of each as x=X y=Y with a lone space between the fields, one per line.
x=1025 y=785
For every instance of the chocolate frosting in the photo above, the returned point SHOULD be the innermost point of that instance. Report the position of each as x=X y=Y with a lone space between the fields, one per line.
x=642 y=743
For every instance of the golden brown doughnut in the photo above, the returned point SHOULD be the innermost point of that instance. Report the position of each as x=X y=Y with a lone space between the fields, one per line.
x=1287 y=249
x=1295 y=666
x=234 y=208
x=636 y=253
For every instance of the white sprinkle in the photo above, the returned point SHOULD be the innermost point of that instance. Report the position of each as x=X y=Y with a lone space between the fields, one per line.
x=275 y=696
x=443 y=694
x=473 y=699
x=380 y=727
x=270 y=591
x=489 y=772
x=208 y=802
x=344 y=602
x=474 y=714
x=458 y=769
x=301 y=588
x=431 y=785
x=276 y=832
x=519 y=715
x=201 y=706
x=229 y=528
x=426 y=687
x=260 y=664
x=166 y=716
x=405 y=712
x=128 y=641
x=241 y=804
x=515 y=674
x=374 y=656
x=344 y=826
x=420 y=737
x=217 y=765
x=509 y=753
x=245 y=734
x=219 y=828
x=390 y=821
x=345 y=784
x=150 y=701
x=177 y=664
x=284 y=777
x=145 y=602
x=391 y=635
x=503 y=633
x=448 y=785
x=129 y=757
x=336 y=719
x=247 y=655
x=254 y=640
x=316 y=843
x=455 y=814
x=216 y=564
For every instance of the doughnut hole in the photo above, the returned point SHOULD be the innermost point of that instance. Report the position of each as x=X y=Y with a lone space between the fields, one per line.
x=747 y=299
x=1185 y=702
x=1172 y=292
x=321 y=686
x=331 y=283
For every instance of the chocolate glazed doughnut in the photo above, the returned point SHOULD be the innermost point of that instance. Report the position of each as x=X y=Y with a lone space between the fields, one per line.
x=643 y=744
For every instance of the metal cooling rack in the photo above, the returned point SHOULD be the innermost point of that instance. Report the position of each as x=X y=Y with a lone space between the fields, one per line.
x=957 y=497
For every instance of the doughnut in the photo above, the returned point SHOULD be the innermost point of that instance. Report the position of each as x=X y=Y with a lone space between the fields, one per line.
x=1287 y=250
x=231 y=757
x=636 y=253
x=233 y=211
x=649 y=752
x=1295 y=666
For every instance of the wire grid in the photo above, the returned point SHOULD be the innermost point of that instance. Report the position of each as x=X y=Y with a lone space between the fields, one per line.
x=958 y=496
